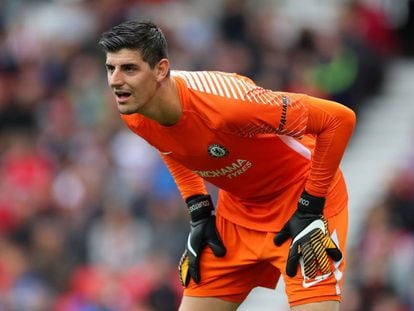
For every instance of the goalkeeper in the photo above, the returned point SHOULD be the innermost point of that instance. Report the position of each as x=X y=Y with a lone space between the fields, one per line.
x=282 y=204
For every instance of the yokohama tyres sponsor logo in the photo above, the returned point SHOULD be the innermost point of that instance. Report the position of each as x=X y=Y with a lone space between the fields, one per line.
x=231 y=171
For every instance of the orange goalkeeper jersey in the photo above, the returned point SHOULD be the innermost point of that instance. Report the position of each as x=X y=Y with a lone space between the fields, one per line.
x=259 y=147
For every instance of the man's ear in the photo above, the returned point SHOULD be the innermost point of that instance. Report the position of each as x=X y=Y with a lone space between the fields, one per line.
x=162 y=69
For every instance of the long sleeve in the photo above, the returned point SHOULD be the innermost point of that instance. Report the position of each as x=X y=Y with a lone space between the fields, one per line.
x=188 y=182
x=333 y=125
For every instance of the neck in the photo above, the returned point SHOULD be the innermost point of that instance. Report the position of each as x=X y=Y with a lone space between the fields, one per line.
x=165 y=107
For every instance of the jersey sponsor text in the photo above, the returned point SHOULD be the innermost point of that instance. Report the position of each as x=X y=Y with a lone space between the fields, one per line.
x=231 y=171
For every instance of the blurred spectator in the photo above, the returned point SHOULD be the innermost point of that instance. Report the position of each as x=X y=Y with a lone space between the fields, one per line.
x=116 y=240
x=401 y=14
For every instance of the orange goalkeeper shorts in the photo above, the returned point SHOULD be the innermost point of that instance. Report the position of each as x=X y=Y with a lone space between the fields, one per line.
x=253 y=260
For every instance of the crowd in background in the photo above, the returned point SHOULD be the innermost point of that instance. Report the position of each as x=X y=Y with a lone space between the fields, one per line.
x=90 y=218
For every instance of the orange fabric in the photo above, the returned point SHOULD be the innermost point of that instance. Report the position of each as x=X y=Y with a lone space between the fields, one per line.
x=253 y=260
x=256 y=145
x=183 y=177
x=333 y=125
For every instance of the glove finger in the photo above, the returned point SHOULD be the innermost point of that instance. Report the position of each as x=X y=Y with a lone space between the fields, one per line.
x=183 y=269
x=194 y=242
x=319 y=251
x=282 y=236
x=217 y=247
x=309 y=260
x=194 y=247
x=331 y=249
x=212 y=238
x=194 y=267
x=293 y=260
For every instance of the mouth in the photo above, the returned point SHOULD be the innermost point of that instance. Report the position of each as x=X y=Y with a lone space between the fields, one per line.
x=122 y=96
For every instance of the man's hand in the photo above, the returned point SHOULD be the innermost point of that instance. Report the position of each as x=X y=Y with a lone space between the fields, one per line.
x=309 y=231
x=203 y=232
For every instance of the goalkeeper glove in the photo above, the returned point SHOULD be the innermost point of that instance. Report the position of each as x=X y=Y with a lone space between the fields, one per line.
x=309 y=231
x=203 y=232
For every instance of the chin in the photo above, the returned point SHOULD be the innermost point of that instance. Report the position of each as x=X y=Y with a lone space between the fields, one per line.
x=126 y=110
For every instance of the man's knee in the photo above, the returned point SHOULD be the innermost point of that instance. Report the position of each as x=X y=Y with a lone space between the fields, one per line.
x=206 y=304
x=318 y=306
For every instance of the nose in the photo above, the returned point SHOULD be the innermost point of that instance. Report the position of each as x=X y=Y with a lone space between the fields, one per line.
x=115 y=78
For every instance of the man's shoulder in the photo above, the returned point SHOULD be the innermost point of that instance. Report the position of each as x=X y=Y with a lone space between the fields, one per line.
x=132 y=120
x=208 y=74
x=231 y=86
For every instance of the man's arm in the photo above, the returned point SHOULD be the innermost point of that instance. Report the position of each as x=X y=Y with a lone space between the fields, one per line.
x=188 y=182
x=333 y=125
x=203 y=230
x=295 y=115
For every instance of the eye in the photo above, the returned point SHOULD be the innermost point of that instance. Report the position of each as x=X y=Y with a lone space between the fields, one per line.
x=130 y=68
x=110 y=68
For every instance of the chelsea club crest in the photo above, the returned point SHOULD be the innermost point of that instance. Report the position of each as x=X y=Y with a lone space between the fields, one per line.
x=217 y=151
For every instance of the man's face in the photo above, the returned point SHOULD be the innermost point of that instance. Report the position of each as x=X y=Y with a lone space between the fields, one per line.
x=131 y=80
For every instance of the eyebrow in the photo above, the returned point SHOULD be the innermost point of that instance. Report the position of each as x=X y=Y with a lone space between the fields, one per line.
x=123 y=66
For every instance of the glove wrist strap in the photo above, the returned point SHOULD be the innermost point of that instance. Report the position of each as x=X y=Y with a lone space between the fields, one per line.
x=309 y=204
x=199 y=207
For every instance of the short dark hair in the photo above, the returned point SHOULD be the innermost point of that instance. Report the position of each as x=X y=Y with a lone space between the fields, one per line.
x=143 y=36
